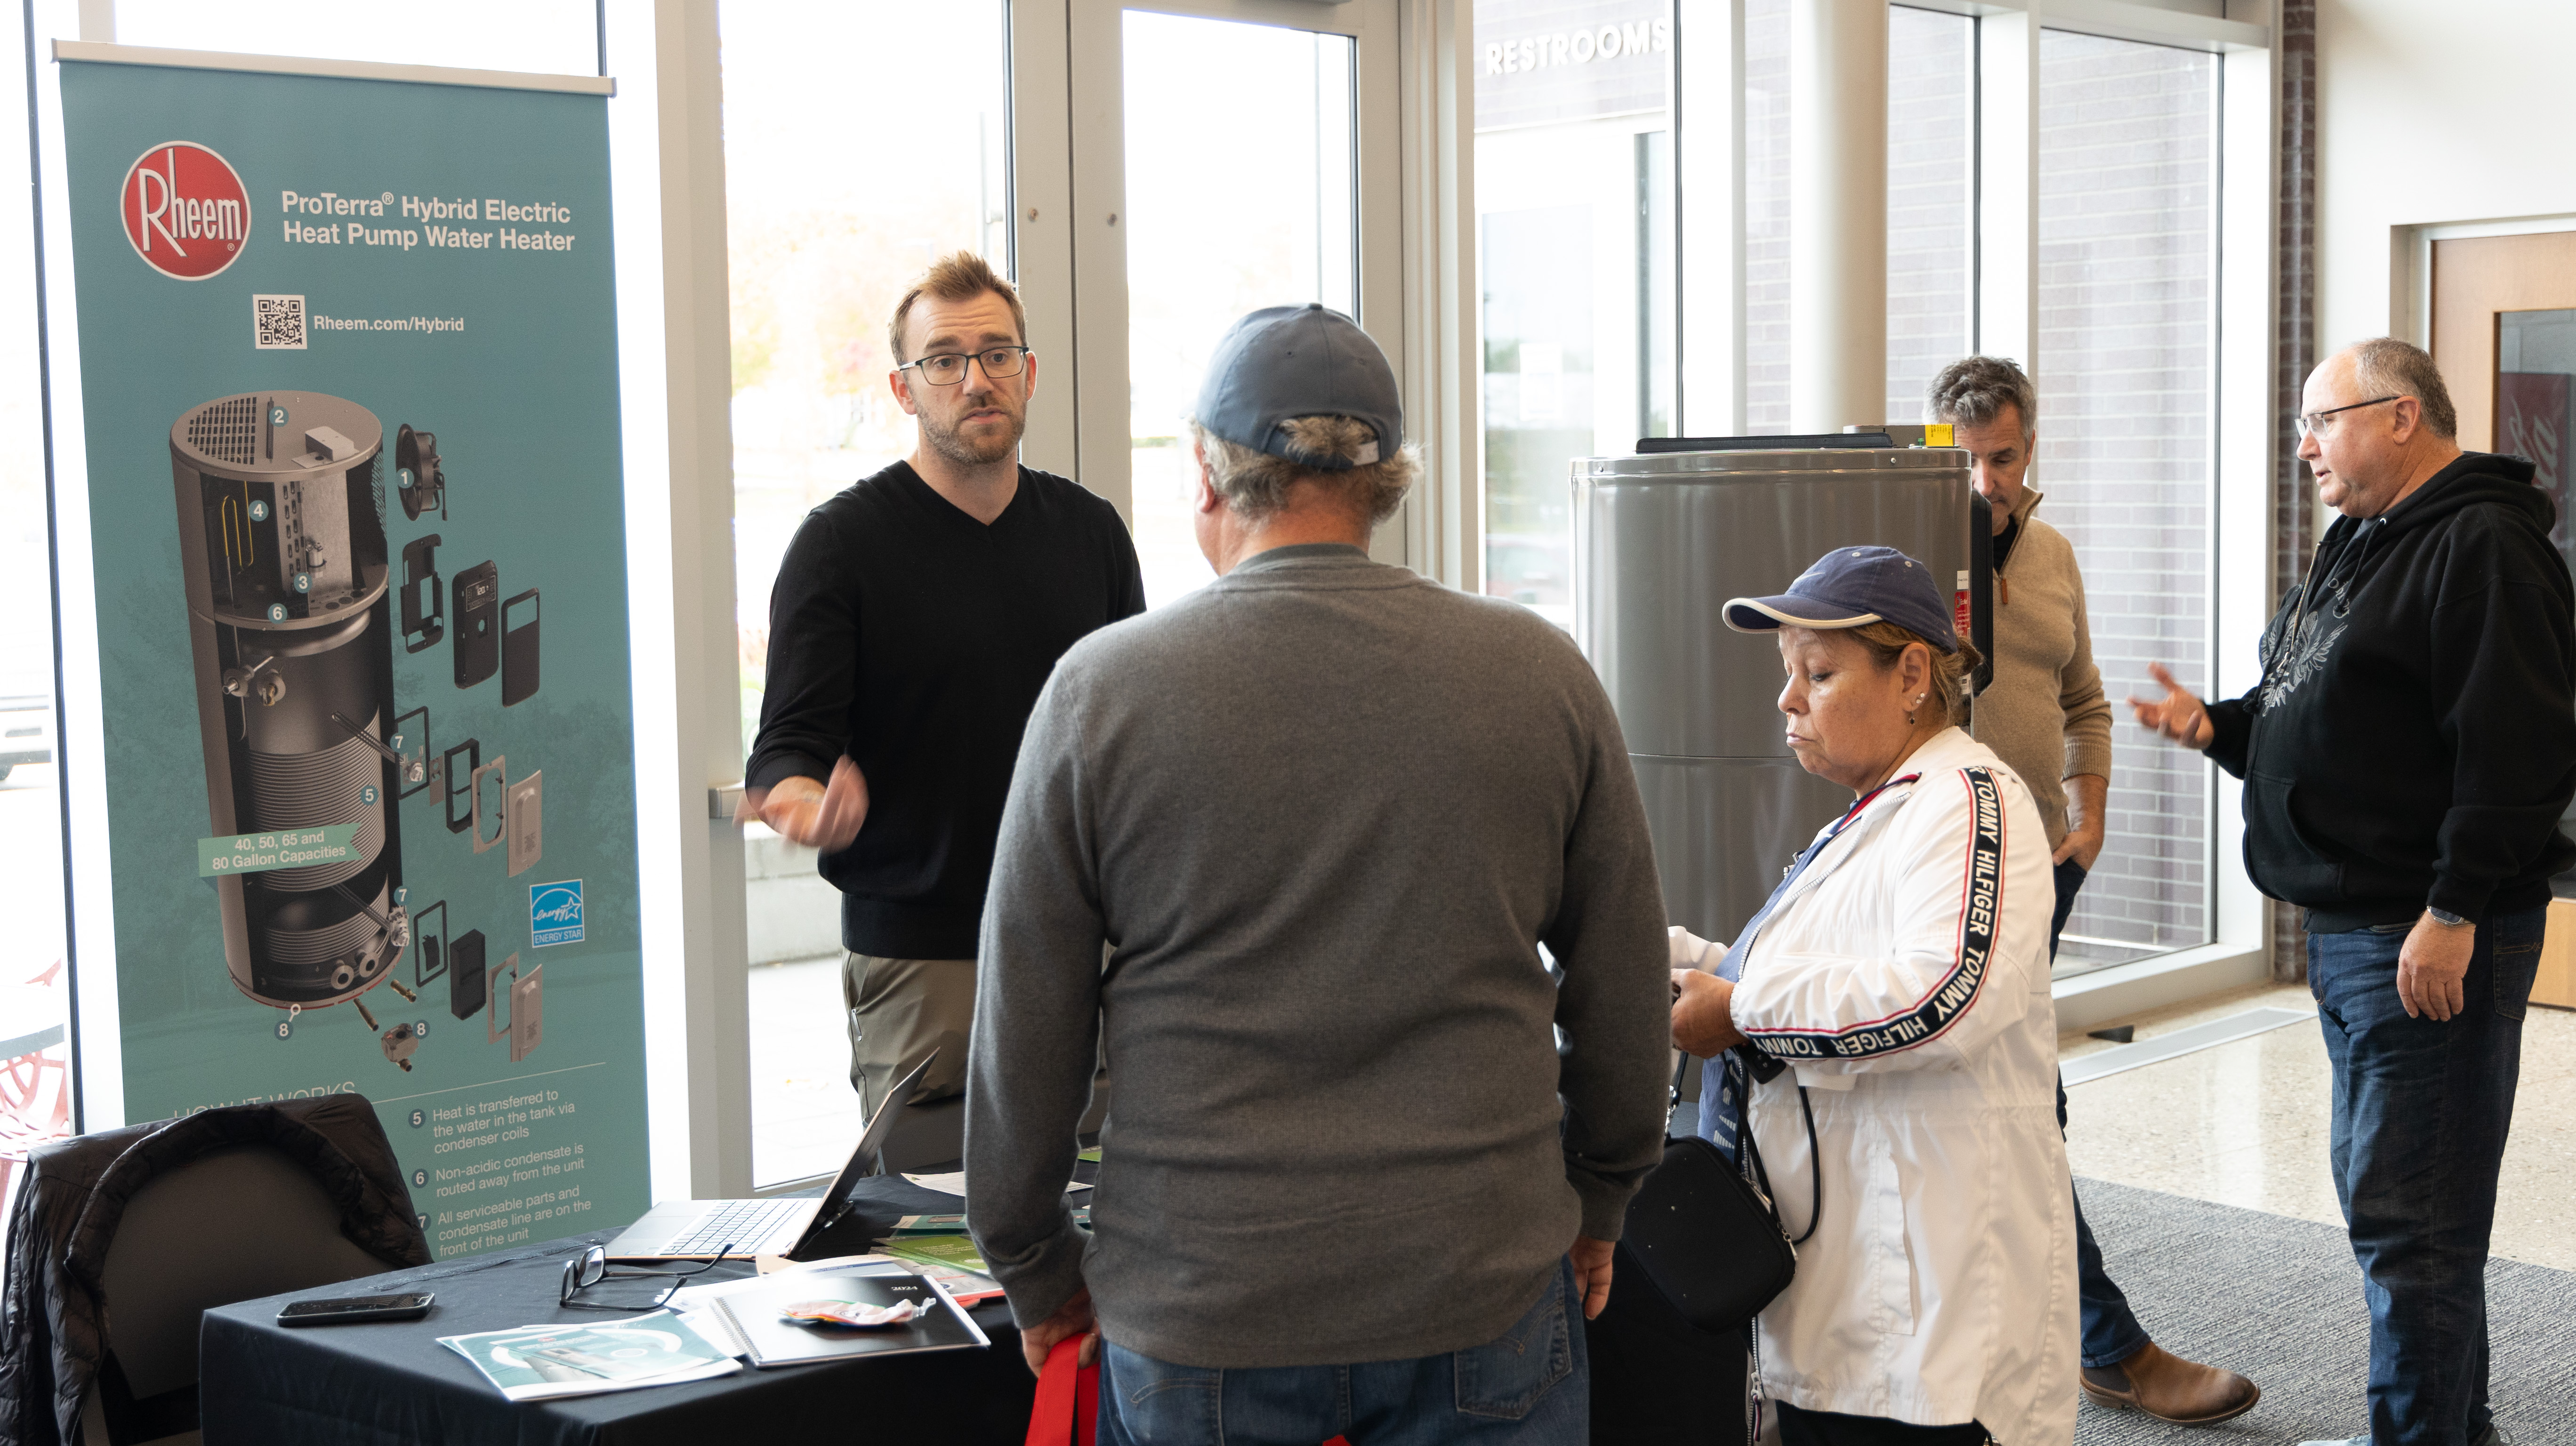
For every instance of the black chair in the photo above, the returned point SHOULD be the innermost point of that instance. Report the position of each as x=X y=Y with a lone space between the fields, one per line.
x=236 y=1224
x=135 y=1233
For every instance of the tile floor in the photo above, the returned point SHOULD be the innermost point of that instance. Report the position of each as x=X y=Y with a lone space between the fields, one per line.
x=2245 y=1123
x=2241 y=1124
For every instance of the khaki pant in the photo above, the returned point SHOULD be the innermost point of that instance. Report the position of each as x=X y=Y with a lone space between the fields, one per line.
x=900 y=1009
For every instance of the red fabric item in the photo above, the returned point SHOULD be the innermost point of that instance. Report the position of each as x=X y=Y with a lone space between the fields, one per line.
x=1067 y=1411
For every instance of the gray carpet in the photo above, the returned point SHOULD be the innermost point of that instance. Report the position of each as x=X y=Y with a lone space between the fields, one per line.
x=2280 y=1299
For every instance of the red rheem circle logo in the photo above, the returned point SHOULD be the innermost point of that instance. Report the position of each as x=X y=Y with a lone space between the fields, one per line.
x=185 y=210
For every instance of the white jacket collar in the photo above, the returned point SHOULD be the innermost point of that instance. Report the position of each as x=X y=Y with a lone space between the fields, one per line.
x=1951 y=748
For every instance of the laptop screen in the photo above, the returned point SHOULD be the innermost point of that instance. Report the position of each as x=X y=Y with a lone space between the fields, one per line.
x=863 y=1156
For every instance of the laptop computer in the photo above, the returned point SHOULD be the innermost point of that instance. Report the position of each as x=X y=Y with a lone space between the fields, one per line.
x=700 y=1229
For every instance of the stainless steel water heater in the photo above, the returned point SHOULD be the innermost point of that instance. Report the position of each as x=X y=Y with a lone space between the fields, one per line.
x=1661 y=541
x=282 y=539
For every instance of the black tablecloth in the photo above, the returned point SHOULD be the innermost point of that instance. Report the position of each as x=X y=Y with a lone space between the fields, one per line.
x=262 y=1384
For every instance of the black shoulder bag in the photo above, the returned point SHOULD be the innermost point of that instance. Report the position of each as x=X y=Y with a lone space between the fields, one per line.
x=1709 y=1237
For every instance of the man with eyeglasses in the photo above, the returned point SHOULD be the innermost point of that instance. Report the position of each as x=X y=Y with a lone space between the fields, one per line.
x=915 y=617
x=2407 y=757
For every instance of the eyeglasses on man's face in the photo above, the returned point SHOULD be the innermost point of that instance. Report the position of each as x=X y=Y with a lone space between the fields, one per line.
x=948 y=368
x=2317 y=424
x=591 y=1267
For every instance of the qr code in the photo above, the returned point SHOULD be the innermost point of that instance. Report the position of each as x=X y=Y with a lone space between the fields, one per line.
x=277 y=323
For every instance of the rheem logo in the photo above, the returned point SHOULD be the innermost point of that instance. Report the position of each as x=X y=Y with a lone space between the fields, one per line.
x=185 y=210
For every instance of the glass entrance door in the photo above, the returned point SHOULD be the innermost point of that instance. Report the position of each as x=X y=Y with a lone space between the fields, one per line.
x=1255 y=209
x=818 y=254
x=1218 y=169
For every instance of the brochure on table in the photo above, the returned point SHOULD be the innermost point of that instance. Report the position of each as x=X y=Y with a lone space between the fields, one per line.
x=769 y=1319
x=349 y=436
x=581 y=1359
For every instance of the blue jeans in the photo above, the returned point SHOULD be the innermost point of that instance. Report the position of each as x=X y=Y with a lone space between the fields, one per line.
x=2420 y=1114
x=1530 y=1386
x=2111 y=1330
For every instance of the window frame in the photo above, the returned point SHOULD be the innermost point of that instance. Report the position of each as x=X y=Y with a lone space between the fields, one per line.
x=1068 y=101
x=1420 y=293
x=1710 y=175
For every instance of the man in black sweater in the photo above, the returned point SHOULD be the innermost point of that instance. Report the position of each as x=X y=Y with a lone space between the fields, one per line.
x=2407 y=757
x=914 y=620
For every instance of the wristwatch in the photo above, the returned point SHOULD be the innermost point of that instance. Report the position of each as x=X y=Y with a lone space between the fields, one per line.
x=2446 y=918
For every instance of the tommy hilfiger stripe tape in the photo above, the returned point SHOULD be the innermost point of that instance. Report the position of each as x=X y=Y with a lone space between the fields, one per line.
x=1980 y=913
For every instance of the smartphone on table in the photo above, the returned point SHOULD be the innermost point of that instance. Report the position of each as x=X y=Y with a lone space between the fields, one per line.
x=406 y=1305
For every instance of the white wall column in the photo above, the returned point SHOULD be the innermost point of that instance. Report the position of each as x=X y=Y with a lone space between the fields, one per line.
x=1708 y=169
x=675 y=358
x=1443 y=522
x=1042 y=227
x=2008 y=188
x=1837 y=213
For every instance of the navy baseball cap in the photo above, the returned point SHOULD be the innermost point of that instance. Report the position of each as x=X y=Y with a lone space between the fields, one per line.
x=1850 y=587
x=1285 y=362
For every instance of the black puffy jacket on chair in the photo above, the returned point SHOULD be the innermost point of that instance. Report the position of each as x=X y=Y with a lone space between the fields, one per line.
x=53 y=1317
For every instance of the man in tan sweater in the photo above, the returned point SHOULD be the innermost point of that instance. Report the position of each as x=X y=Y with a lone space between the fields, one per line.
x=2044 y=713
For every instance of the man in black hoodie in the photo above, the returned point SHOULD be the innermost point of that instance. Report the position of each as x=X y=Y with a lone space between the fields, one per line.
x=2407 y=757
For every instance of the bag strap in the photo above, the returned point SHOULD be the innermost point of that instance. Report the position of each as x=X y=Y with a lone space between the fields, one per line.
x=1753 y=1148
x=1067 y=1409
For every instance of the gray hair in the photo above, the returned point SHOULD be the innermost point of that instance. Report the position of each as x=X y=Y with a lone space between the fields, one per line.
x=1973 y=391
x=1256 y=484
x=2384 y=366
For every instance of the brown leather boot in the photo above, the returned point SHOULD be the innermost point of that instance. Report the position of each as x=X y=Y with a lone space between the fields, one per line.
x=2170 y=1388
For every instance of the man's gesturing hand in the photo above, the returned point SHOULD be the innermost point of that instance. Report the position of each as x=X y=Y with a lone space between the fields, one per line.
x=1073 y=1318
x=2177 y=715
x=2431 y=965
x=815 y=815
x=1703 y=1015
x=1591 y=1273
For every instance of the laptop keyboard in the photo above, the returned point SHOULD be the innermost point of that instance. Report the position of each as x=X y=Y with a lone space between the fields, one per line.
x=742 y=1224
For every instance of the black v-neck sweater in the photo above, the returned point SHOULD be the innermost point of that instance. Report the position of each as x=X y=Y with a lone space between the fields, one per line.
x=914 y=639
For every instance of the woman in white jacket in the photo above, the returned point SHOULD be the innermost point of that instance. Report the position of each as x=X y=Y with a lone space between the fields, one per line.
x=1900 y=972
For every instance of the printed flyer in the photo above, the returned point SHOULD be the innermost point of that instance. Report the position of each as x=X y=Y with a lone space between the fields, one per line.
x=348 y=365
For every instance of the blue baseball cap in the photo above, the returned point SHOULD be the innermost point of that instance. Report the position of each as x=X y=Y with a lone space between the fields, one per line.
x=1850 y=587
x=1285 y=362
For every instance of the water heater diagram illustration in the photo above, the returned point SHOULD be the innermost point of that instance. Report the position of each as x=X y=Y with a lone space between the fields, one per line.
x=282 y=541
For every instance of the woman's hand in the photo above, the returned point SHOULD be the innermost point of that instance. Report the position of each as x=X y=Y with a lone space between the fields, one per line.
x=1703 y=1014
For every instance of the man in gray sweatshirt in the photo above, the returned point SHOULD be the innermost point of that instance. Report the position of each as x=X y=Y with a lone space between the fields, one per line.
x=1325 y=813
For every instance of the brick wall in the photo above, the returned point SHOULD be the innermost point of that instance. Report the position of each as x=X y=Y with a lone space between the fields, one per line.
x=2295 y=341
x=2127 y=185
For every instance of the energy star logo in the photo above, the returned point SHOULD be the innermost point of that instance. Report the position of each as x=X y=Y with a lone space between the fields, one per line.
x=554 y=913
x=185 y=210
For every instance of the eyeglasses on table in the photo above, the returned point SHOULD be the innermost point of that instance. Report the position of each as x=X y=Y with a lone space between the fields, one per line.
x=591 y=1267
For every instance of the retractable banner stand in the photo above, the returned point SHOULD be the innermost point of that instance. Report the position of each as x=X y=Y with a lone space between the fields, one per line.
x=347 y=370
